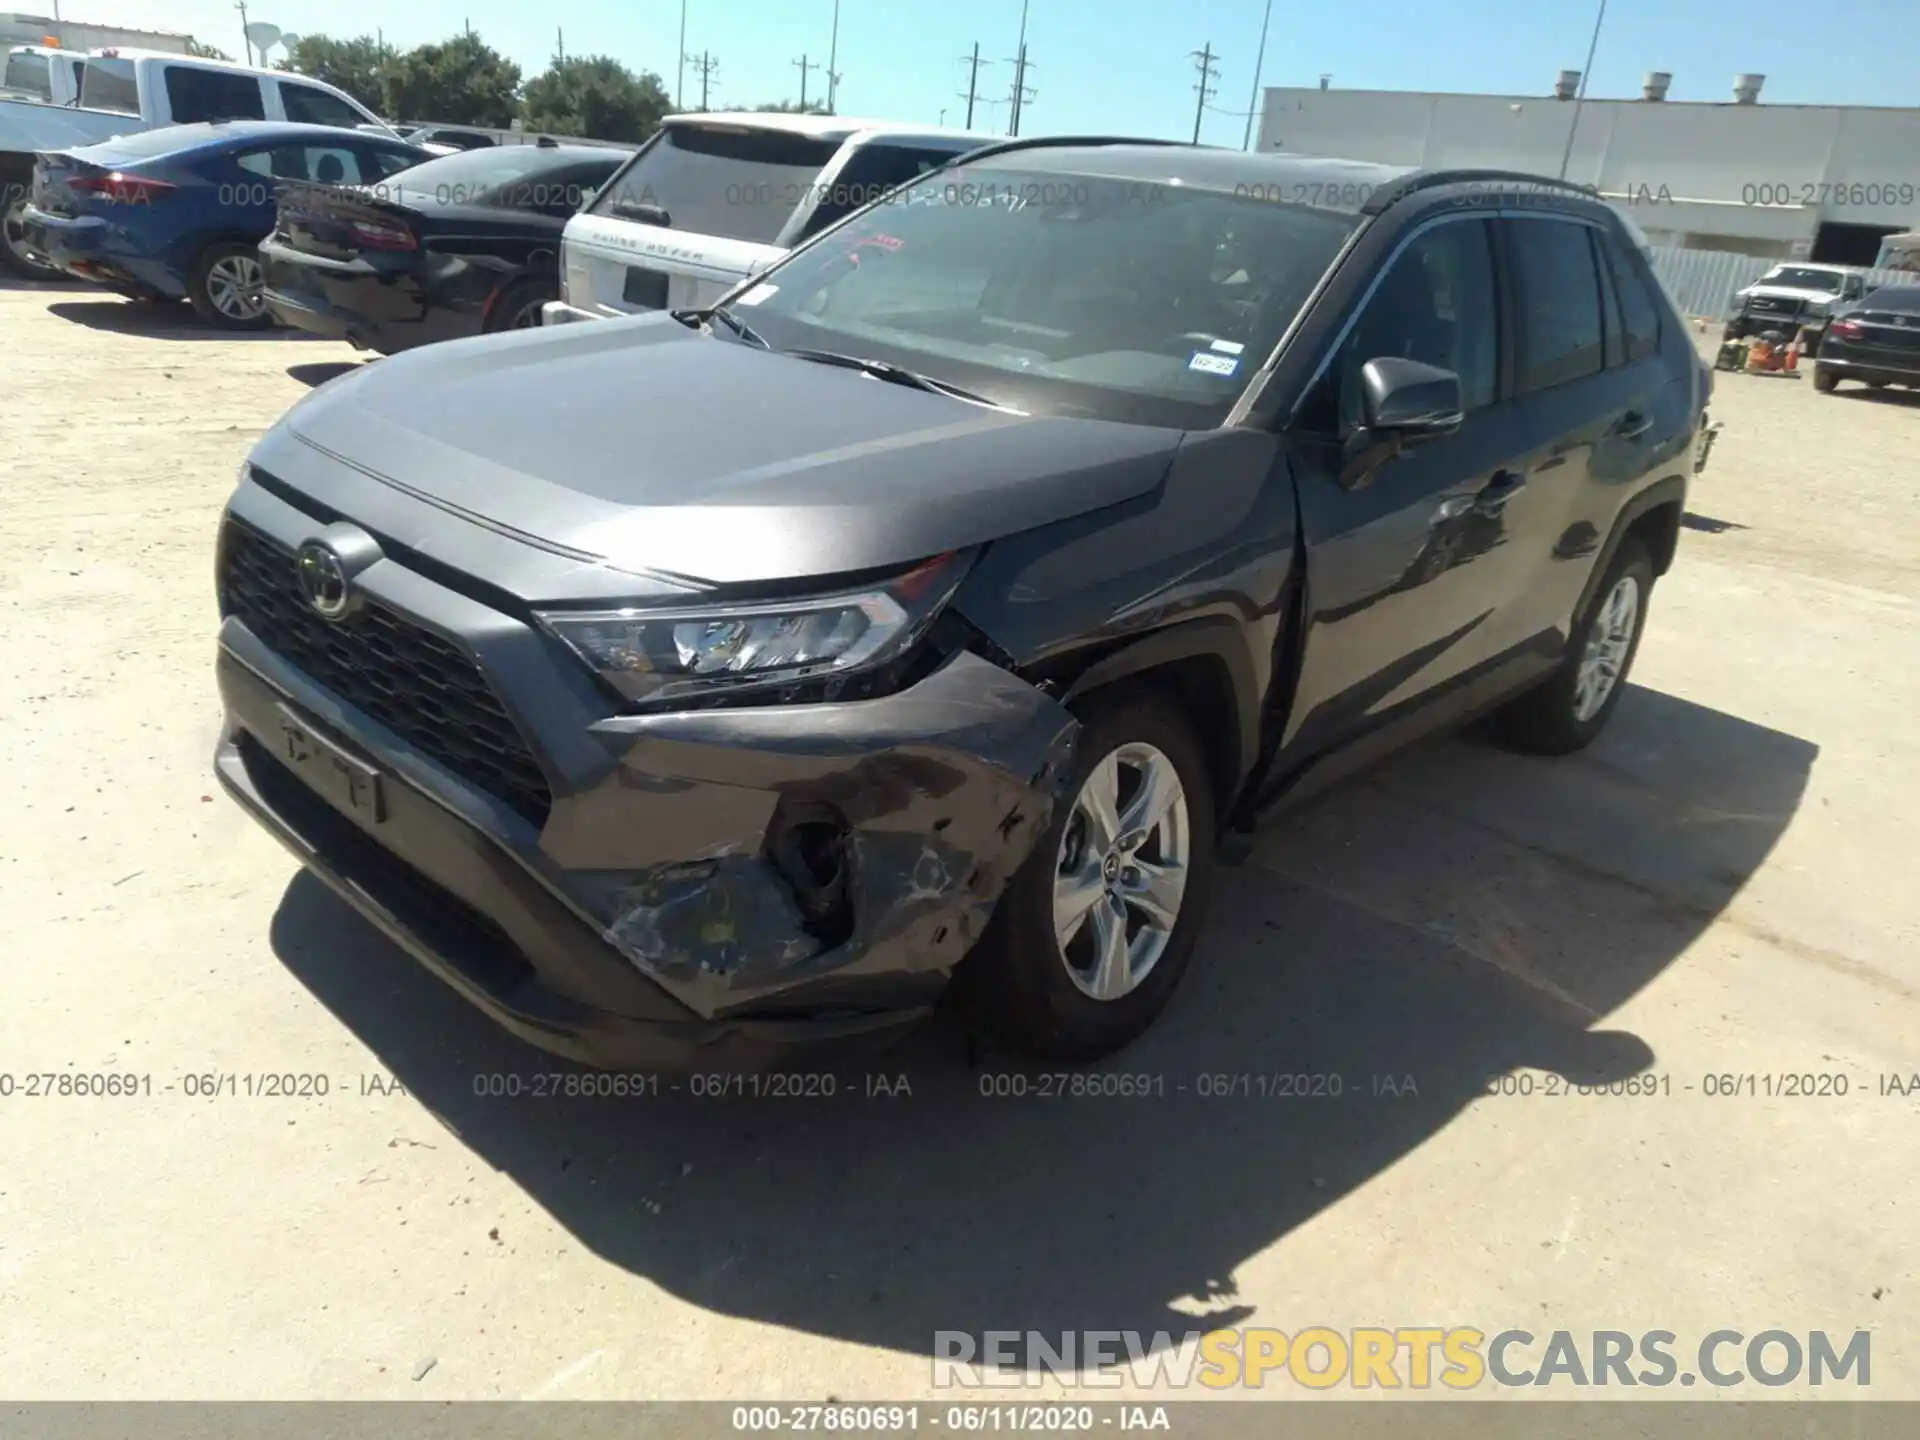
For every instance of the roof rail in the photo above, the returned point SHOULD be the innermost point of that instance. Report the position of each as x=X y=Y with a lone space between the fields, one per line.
x=1398 y=190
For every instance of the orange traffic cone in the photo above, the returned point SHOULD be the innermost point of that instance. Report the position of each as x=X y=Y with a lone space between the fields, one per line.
x=1793 y=356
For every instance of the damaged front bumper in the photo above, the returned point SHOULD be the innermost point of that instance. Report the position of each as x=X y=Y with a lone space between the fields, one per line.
x=723 y=886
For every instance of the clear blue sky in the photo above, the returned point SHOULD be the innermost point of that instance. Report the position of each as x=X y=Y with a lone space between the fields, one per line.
x=1123 y=65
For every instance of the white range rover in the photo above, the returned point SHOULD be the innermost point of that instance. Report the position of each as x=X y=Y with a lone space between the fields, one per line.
x=713 y=197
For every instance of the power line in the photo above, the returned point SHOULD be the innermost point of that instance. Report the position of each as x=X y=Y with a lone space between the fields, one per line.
x=803 y=65
x=704 y=65
x=1203 y=60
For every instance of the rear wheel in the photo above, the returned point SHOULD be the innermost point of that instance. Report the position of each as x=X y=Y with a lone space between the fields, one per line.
x=1825 y=379
x=1567 y=710
x=518 y=307
x=1099 y=924
x=13 y=234
x=228 y=288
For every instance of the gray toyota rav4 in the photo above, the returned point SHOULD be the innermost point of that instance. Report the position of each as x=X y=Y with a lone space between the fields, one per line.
x=929 y=617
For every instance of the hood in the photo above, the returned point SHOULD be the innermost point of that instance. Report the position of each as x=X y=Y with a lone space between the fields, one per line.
x=1789 y=292
x=648 y=447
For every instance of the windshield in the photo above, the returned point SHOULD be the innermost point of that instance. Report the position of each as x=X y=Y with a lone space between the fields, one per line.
x=1800 y=277
x=29 y=72
x=1059 y=293
x=109 y=85
x=729 y=181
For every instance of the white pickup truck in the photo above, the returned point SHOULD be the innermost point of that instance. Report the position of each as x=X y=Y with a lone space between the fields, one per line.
x=122 y=92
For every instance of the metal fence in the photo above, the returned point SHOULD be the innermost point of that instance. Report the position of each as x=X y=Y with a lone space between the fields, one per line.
x=1703 y=281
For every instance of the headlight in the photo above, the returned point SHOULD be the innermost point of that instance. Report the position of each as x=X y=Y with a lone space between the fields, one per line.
x=666 y=654
x=1819 y=308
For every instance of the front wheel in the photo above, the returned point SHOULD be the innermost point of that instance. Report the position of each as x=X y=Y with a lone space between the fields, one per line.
x=1567 y=710
x=1098 y=926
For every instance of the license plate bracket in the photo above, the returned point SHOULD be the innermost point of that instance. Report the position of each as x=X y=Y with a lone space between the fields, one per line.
x=341 y=777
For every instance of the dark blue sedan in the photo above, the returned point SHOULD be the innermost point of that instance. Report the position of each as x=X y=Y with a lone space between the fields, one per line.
x=180 y=212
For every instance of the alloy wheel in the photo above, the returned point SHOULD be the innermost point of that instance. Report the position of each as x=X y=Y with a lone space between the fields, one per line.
x=237 y=287
x=1608 y=641
x=1121 y=871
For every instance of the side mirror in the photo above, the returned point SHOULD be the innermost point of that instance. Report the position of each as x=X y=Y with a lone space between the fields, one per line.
x=1415 y=400
x=645 y=214
x=1403 y=402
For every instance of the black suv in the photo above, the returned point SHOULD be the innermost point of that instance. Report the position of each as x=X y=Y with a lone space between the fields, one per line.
x=936 y=611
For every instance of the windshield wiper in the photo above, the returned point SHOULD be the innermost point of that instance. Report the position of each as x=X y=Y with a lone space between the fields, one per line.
x=894 y=375
x=726 y=317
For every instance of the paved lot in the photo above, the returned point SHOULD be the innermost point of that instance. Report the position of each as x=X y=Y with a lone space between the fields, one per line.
x=1724 y=886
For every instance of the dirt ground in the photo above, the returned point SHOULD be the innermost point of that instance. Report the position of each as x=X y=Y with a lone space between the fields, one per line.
x=1723 y=887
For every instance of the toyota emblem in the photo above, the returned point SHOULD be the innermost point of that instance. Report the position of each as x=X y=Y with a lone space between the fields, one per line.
x=323 y=579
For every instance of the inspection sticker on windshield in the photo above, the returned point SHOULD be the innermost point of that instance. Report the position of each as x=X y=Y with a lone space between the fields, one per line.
x=1213 y=364
x=1228 y=347
x=756 y=294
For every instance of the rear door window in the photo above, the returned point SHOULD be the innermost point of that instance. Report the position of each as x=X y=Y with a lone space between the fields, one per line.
x=1559 y=331
x=195 y=95
x=733 y=182
x=310 y=105
x=109 y=85
x=1639 y=312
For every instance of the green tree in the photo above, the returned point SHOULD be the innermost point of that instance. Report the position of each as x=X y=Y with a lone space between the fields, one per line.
x=597 y=97
x=206 y=52
x=353 y=65
x=788 y=107
x=462 y=81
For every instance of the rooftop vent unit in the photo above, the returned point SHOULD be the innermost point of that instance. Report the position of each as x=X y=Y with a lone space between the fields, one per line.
x=1569 y=85
x=1656 y=85
x=1746 y=89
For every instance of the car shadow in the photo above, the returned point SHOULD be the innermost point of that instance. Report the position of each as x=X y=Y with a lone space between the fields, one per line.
x=1887 y=395
x=161 y=320
x=321 y=371
x=1708 y=525
x=1409 y=938
x=11 y=281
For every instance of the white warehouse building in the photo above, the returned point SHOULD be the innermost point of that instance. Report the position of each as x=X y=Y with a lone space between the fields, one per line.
x=1819 y=182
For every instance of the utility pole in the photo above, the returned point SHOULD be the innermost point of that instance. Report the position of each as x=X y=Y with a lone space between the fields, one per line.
x=803 y=66
x=1580 y=95
x=704 y=66
x=1019 y=96
x=680 y=80
x=833 y=52
x=241 y=6
x=1259 y=63
x=559 y=44
x=973 y=80
x=1203 y=62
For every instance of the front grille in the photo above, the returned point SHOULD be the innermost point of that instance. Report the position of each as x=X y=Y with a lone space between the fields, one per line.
x=418 y=685
x=1768 y=305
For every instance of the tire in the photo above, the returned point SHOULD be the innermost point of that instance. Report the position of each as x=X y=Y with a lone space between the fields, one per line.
x=13 y=254
x=1557 y=717
x=518 y=307
x=1019 y=986
x=1825 y=379
x=219 y=291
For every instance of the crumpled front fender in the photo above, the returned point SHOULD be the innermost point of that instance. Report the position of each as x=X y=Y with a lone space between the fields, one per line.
x=932 y=799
